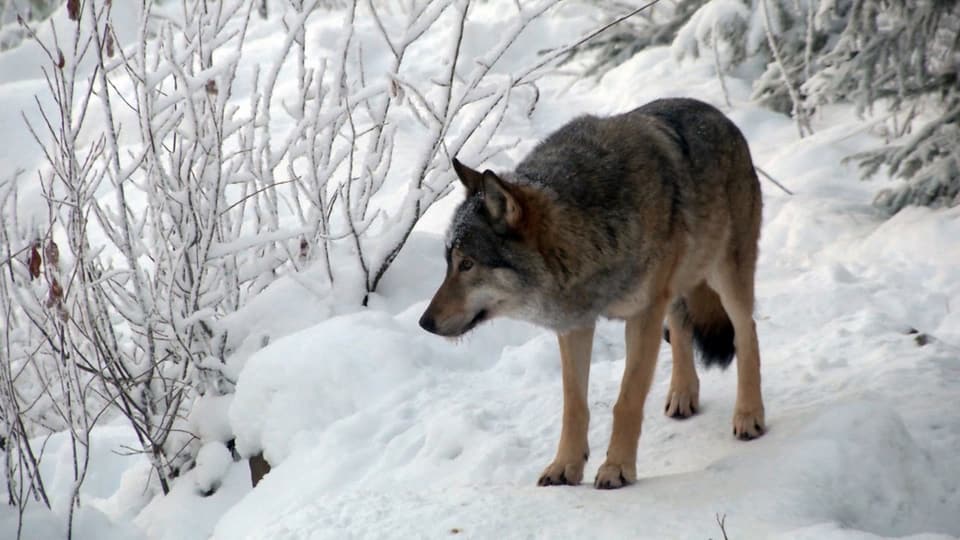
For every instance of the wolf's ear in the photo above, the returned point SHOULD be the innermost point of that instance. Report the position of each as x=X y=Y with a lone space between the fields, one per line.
x=502 y=205
x=471 y=179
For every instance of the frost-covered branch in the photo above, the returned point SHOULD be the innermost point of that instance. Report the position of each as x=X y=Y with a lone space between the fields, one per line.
x=169 y=201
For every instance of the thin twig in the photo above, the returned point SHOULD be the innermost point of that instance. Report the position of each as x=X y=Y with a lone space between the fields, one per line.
x=718 y=67
x=567 y=48
x=803 y=123
x=772 y=179
x=721 y=521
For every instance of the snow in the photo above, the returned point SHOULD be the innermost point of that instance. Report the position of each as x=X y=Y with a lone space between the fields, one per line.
x=716 y=23
x=187 y=512
x=818 y=468
x=213 y=463
x=109 y=463
x=376 y=429
x=208 y=419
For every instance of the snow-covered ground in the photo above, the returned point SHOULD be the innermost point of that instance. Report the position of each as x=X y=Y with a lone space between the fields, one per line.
x=376 y=429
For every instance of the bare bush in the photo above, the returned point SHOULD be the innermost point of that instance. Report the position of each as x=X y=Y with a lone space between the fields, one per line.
x=169 y=201
x=17 y=406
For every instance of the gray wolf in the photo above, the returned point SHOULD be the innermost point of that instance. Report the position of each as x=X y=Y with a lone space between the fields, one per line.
x=648 y=215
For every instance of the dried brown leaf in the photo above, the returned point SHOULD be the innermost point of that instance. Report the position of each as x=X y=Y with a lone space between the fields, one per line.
x=109 y=46
x=73 y=10
x=55 y=297
x=34 y=262
x=304 y=249
x=52 y=253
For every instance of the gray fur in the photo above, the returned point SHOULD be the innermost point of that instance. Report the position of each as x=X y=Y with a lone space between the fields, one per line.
x=674 y=162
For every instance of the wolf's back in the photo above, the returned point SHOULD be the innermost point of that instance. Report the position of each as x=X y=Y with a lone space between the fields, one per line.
x=592 y=163
x=630 y=191
x=705 y=137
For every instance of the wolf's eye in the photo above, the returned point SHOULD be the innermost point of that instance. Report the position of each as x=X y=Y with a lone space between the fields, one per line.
x=465 y=264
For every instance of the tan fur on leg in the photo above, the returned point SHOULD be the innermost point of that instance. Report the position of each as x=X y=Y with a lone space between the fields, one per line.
x=573 y=450
x=735 y=287
x=683 y=399
x=643 y=343
x=748 y=420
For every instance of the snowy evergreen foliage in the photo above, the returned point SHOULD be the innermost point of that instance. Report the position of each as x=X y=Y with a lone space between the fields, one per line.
x=30 y=10
x=895 y=58
x=657 y=25
x=905 y=57
x=11 y=34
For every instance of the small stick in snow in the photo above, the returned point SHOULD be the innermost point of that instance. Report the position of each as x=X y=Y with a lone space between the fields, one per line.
x=772 y=179
x=721 y=521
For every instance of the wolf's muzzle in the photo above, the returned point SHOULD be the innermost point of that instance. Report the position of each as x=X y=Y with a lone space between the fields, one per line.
x=428 y=324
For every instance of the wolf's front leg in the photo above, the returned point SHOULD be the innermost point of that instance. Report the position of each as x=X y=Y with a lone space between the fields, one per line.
x=643 y=343
x=572 y=453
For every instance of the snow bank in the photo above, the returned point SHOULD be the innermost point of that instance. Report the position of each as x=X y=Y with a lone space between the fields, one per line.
x=849 y=470
x=311 y=379
x=305 y=383
x=188 y=511
x=105 y=471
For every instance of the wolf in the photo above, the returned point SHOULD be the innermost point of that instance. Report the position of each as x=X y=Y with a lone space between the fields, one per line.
x=643 y=216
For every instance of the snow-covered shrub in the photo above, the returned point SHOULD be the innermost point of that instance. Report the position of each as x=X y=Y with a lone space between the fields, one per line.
x=46 y=379
x=728 y=32
x=893 y=57
x=351 y=124
x=929 y=161
x=17 y=396
x=902 y=57
x=11 y=34
x=657 y=25
x=717 y=28
x=169 y=203
x=897 y=57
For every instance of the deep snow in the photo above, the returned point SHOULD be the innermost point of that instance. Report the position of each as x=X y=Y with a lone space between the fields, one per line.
x=379 y=430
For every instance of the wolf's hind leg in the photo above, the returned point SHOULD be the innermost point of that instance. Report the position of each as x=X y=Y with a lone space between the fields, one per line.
x=683 y=399
x=734 y=284
x=643 y=342
x=574 y=449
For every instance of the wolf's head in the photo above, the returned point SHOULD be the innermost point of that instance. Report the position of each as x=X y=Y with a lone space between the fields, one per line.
x=490 y=266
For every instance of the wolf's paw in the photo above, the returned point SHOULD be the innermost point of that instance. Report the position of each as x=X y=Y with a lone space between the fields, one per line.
x=682 y=403
x=748 y=423
x=615 y=475
x=562 y=473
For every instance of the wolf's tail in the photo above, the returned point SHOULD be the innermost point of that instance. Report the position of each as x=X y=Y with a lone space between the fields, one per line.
x=701 y=311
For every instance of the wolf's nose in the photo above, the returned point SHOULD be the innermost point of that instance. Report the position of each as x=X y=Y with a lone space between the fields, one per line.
x=428 y=324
